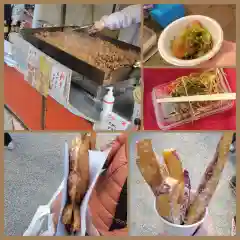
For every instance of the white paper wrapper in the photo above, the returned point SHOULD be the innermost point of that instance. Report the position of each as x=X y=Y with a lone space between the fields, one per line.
x=43 y=213
x=96 y=162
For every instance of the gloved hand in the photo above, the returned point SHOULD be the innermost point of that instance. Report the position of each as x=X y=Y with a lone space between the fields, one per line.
x=147 y=9
x=118 y=20
x=98 y=26
x=148 y=6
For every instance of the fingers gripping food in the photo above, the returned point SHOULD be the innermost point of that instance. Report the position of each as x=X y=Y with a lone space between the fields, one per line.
x=78 y=180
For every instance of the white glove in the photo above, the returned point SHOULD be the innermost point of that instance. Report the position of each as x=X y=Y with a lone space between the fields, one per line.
x=122 y=19
x=98 y=26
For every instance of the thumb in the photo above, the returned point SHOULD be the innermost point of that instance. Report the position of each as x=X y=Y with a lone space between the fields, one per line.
x=97 y=27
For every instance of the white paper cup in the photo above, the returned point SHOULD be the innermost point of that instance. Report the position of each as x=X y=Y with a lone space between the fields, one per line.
x=171 y=229
x=176 y=28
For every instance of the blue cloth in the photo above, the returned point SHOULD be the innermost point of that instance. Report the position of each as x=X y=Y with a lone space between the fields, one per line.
x=164 y=14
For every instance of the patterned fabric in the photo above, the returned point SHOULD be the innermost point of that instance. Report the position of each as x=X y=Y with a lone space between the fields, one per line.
x=120 y=217
x=105 y=196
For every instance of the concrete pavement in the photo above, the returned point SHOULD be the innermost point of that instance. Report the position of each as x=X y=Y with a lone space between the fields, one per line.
x=32 y=173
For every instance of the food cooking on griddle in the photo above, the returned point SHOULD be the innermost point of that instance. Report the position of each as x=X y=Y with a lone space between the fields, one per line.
x=194 y=42
x=93 y=50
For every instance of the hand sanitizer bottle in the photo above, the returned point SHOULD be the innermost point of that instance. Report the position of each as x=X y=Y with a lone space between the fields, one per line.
x=108 y=102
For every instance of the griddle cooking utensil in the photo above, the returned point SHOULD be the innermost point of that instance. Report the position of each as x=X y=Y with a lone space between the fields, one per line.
x=83 y=27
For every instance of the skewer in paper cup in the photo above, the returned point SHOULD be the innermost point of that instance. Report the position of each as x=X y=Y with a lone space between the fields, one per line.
x=172 y=229
x=175 y=29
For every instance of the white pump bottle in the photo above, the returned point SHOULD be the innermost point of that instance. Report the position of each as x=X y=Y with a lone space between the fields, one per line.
x=108 y=102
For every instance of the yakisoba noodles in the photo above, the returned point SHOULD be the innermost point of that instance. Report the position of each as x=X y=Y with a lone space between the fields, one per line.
x=195 y=41
x=204 y=83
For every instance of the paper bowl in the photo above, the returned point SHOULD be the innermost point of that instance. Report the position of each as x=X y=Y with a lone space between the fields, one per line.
x=171 y=229
x=176 y=27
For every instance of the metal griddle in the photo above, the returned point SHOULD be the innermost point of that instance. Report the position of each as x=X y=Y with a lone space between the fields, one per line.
x=75 y=64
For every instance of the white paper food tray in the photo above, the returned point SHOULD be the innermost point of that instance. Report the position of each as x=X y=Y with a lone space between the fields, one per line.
x=96 y=162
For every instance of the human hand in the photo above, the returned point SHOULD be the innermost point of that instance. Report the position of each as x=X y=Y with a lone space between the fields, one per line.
x=225 y=58
x=148 y=6
x=115 y=145
x=98 y=26
x=119 y=140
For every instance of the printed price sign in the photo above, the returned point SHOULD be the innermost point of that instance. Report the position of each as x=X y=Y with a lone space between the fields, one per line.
x=60 y=83
x=48 y=76
x=32 y=66
x=43 y=76
x=115 y=123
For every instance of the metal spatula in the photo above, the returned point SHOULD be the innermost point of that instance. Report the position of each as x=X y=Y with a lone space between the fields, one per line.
x=83 y=27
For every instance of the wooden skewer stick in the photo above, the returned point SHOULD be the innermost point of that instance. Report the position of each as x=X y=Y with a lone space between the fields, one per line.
x=199 y=98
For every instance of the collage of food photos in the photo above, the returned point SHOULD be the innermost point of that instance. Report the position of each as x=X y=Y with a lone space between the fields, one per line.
x=120 y=119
